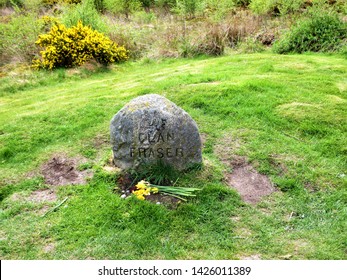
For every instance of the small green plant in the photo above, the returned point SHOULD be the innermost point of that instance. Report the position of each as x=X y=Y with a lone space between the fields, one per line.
x=321 y=32
x=85 y=166
x=70 y=47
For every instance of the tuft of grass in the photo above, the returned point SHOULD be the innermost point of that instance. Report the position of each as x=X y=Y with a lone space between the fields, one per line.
x=159 y=173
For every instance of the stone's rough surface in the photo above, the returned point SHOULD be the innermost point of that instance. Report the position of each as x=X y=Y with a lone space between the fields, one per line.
x=151 y=128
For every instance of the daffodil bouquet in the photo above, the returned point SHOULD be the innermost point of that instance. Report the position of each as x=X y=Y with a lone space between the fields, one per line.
x=144 y=188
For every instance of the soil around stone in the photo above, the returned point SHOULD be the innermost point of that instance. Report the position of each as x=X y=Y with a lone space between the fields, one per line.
x=249 y=183
x=60 y=171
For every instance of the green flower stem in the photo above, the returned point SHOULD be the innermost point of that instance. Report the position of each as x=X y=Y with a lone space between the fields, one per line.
x=177 y=191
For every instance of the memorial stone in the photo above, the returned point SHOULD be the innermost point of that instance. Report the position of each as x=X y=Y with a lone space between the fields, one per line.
x=150 y=129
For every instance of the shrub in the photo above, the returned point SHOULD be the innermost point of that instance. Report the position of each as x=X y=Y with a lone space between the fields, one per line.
x=53 y=2
x=122 y=6
x=241 y=26
x=18 y=36
x=250 y=45
x=189 y=8
x=213 y=43
x=322 y=32
x=243 y=3
x=100 y=5
x=276 y=6
x=165 y=4
x=293 y=6
x=69 y=47
x=219 y=9
x=86 y=13
x=209 y=41
x=147 y=3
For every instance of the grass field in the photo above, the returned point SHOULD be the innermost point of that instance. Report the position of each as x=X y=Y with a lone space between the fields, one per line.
x=287 y=115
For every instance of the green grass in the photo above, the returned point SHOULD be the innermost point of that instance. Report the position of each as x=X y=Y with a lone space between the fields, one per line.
x=286 y=114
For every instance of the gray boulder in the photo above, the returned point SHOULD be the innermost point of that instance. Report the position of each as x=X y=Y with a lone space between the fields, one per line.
x=150 y=129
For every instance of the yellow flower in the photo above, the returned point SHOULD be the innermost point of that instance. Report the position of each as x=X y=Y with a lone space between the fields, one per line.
x=143 y=189
x=154 y=190
x=141 y=197
x=142 y=184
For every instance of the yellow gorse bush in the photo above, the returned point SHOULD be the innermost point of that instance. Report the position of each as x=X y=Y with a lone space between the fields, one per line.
x=70 y=47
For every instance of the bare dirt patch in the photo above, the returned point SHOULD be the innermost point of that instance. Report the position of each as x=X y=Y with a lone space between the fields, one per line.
x=251 y=257
x=243 y=233
x=48 y=248
x=7 y=11
x=101 y=140
x=235 y=218
x=300 y=245
x=42 y=210
x=111 y=169
x=277 y=164
x=46 y=195
x=168 y=201
x=3 y=235
x=60 y=171
x=227 y=147
x=250 y=184
x=16 y=197
x=203 y=138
